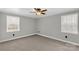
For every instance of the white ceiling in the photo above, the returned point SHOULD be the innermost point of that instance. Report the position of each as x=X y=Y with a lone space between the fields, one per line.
x=27 y=11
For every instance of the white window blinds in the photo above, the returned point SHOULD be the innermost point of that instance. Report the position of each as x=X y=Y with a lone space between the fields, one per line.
x=69 y=23
x=13 y=24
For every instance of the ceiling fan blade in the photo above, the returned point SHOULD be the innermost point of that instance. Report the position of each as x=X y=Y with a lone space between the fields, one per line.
x=37 y=9
x=44 y=10
x=43 y=13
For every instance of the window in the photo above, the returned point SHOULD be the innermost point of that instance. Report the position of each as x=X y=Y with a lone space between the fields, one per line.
x=69 y=23
x=13 y=24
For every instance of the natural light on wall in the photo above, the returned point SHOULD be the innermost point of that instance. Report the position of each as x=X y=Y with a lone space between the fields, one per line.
x=69 y=23
x=13 y=24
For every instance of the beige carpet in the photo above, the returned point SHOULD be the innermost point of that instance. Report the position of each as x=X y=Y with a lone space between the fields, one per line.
x=36 y=43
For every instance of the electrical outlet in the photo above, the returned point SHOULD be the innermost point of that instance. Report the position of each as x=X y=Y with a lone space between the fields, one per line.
x=13 y=34
x=66 y=36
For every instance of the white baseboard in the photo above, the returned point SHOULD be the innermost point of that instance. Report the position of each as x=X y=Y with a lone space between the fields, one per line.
x=41 y=35
x=17 y=37
x=59 y=39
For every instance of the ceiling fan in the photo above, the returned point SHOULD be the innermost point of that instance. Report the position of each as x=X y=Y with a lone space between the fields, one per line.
x=39 y=11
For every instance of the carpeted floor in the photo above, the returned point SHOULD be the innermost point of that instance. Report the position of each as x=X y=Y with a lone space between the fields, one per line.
x=36 y=43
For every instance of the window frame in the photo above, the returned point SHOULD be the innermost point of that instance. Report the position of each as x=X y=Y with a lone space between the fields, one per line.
x=66 y=31
x=18 y=23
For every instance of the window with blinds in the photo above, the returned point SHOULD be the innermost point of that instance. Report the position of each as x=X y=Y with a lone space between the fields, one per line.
x=69 y=23
x=13 y=24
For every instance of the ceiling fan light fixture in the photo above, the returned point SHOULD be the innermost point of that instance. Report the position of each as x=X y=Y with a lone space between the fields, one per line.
x=40 y=11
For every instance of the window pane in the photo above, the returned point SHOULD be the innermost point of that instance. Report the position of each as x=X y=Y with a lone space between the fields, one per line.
x=12 y=24
x=69 y=23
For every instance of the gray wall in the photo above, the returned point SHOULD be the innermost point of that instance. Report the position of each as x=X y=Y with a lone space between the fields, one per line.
x=27 y=27
x=51 y=26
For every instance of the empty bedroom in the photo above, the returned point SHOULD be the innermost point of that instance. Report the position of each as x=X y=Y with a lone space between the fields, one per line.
x=39 y=29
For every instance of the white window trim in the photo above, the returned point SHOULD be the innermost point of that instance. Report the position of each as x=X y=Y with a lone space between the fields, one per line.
x=76 y=25
x=18 y=24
